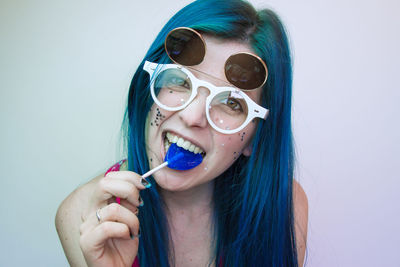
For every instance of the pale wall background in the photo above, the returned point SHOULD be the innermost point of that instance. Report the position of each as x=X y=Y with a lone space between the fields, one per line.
x=65 y=68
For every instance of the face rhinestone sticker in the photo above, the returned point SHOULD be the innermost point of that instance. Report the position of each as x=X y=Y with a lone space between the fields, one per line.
x=242 y=136
x=158 y=119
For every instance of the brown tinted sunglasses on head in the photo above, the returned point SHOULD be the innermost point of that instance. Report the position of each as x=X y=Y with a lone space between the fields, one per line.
x=186 y=47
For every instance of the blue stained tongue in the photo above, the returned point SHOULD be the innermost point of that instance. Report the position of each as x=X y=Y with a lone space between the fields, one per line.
x=182 y=159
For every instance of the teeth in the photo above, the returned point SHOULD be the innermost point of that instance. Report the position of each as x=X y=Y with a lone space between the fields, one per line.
x=170 y=138
x=180 y=142
x=192 y=147
x=166 y=144
x=186 y=145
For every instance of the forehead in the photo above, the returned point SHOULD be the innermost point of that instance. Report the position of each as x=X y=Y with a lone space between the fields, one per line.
x=218 y=50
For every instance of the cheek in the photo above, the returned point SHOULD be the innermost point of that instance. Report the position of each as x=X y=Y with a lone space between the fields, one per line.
x=156 y=116
x=231 y=147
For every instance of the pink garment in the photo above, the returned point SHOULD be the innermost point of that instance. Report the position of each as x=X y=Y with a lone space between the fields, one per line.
x=115 y=167
x=136 y=263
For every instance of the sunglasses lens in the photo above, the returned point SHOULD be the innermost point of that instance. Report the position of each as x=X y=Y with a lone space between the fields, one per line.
x=172 y=88
x=185 y=47
x=245 y=71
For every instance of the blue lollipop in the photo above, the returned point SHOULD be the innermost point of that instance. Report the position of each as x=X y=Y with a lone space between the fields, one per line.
x=181 y=159
x=177 y=158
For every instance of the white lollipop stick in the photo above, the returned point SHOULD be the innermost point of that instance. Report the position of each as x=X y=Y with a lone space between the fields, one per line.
x=147 y=174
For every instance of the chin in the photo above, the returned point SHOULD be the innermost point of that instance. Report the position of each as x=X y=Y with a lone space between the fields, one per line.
x=172 y=184
x=177 y=182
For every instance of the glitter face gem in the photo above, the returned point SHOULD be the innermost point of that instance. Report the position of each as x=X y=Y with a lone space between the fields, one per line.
x=158 y=119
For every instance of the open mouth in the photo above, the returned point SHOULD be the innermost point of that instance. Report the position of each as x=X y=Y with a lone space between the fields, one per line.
x=170 y=138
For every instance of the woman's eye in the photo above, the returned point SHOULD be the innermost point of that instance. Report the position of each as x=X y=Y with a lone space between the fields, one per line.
x=234 y=104
x=177 y=81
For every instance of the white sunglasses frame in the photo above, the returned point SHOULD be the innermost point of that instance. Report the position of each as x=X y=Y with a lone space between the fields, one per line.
x=254 y=110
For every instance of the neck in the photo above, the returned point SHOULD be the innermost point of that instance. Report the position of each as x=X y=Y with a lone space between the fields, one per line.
x=190 y=203
x=190 y=220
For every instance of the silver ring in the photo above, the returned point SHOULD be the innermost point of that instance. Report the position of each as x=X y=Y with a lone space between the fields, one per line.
x=98 y=215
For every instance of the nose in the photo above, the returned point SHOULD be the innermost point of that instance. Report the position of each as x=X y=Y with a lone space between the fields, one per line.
x=194 y=115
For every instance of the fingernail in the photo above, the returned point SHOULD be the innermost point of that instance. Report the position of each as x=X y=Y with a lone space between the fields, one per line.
x=145 y=183
x=134 y=236
x=141 y=203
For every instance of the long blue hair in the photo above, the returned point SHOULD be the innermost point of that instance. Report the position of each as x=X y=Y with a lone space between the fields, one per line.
x=253 y=214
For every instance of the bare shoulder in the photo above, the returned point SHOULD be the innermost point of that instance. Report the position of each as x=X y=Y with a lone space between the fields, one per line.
x=69 y=218
x=74 y=203
x=301 y=219
x=299 y=197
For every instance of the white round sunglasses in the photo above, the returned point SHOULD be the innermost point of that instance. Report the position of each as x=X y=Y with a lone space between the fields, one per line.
x=228 y=109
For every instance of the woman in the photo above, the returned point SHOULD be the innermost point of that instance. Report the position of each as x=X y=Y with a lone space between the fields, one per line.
x=215 y=82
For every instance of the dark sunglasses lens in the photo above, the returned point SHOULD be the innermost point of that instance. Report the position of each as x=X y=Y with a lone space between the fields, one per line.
x=245 y=71
x=185 y=47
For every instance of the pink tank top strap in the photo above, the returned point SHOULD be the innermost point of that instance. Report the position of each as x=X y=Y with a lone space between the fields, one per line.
x=136 y=263
x=115 y=167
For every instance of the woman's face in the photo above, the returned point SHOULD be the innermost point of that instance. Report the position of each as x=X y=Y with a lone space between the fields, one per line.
x=191 y=124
